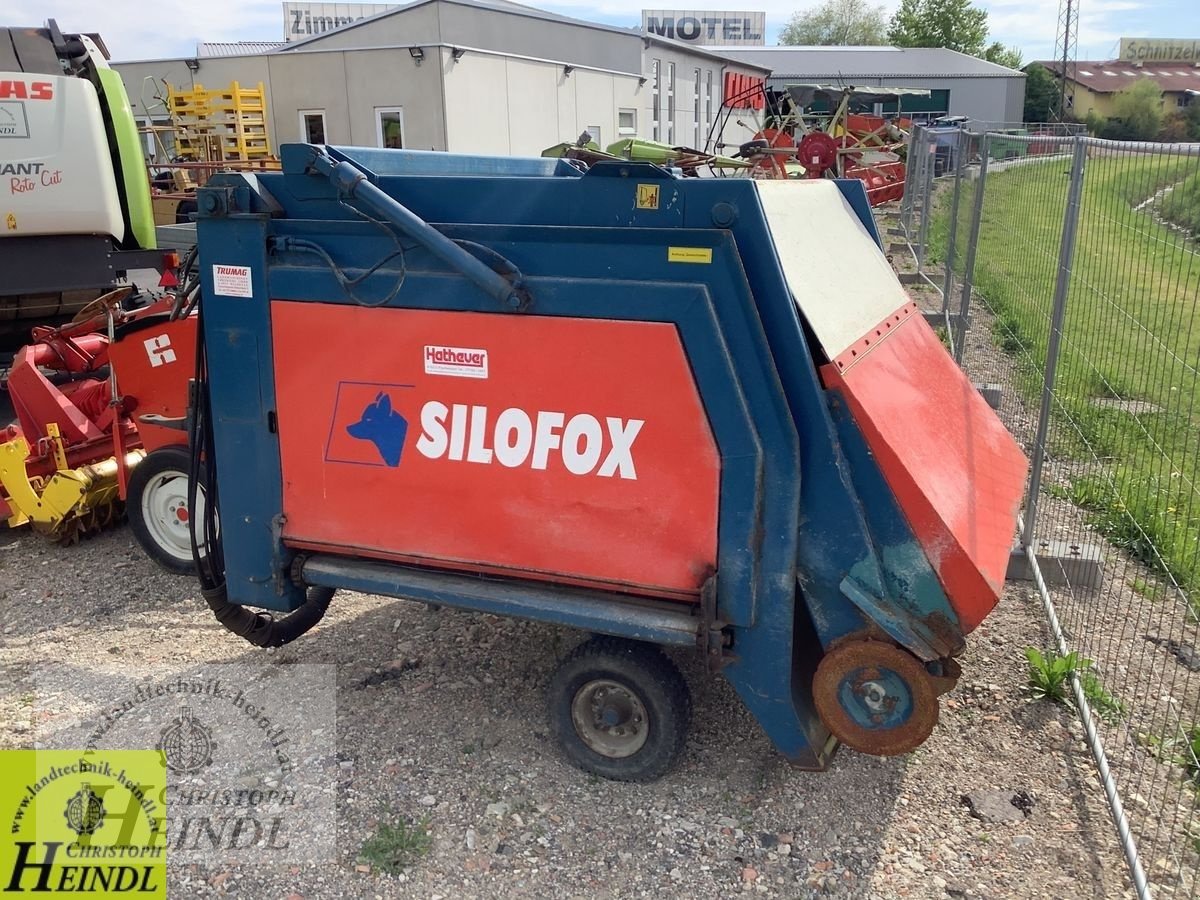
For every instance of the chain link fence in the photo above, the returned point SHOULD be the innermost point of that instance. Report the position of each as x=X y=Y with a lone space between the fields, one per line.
x=1068 y=273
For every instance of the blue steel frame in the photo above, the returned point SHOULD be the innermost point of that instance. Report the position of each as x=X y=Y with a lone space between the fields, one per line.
x=793 y=520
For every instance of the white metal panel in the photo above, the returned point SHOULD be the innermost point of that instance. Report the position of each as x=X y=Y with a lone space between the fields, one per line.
x=838 y=276
x=477 y=119
x=533 y=90
x=56 y=174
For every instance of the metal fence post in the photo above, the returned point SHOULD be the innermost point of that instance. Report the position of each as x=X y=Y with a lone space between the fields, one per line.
x=1062 y=286
x=910 y=171
x=948 y=281
x=926 y=202
x=964 y=309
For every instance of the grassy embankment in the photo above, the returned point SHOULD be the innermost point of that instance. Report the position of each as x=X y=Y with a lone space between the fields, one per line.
x=1126 y=420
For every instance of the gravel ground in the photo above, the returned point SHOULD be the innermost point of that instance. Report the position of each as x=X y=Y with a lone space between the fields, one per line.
x=441 y=714
x=460 y=734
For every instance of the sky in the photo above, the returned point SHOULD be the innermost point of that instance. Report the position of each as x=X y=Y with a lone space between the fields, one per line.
x=135 y=29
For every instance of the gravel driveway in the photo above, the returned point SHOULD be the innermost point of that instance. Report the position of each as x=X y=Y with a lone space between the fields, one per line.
x=440 y=714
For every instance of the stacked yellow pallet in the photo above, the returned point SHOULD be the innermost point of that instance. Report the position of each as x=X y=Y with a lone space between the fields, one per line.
x=229 y=124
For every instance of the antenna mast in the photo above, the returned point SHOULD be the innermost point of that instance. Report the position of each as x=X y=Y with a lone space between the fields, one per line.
x=1065 y=52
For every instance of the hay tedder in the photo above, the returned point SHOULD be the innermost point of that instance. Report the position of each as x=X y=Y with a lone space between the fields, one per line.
x=94 y=434
x=688 y=412
x=819 y=131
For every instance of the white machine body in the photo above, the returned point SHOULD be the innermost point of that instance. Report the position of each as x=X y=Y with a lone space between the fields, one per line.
x=56 y=176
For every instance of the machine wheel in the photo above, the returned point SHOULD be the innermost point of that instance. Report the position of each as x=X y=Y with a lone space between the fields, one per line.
x=875 y=697
x=157 y=508
x=620 y=709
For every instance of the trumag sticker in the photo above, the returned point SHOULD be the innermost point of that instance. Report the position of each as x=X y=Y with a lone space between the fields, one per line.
x=83 y=822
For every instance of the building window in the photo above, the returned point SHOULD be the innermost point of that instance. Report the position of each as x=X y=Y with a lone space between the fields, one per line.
x=312 y=126
x=708 y=112
x=656 y=103
x=627 y=121
x=1183 y=100
x=671 y=104
x=696 y=109
x=389 y=127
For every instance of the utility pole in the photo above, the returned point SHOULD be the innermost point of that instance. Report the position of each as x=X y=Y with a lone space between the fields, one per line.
x=1065 y=46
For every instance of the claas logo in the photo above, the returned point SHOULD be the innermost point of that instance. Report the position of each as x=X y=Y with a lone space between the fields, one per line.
x=20 y=90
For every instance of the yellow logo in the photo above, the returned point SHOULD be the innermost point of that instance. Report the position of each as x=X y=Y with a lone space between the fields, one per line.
x=91 y=822
x=647 y=196
x=11 y=221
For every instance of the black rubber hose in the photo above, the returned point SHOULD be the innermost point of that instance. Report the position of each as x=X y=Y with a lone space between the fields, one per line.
x=259 y=628
x=263 y=629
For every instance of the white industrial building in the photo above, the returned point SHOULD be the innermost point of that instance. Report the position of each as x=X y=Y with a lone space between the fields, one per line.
x=958 y=84
x=472 y=76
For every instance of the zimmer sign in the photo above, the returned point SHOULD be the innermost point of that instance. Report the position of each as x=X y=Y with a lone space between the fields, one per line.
x=1157 y=50
x=303 y=20
x=705 y=27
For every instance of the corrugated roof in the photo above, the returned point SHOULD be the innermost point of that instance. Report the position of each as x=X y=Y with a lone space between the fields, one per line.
x=700 y=50
x=207 y=49
x=847 y=63
x=1110 y=76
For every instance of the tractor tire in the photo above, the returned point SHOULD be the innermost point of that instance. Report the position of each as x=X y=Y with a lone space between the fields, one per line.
x=157 y=508
x=620 y=709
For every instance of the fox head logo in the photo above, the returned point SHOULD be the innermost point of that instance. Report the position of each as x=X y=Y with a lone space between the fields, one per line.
x=383 y=427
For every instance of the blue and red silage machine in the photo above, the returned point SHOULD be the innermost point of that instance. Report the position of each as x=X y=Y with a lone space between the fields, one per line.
x=698 y=413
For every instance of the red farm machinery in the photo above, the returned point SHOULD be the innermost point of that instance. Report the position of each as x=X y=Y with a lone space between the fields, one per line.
x=647 y=406
x=810 y=131
x=99 y=406
x=609 y=397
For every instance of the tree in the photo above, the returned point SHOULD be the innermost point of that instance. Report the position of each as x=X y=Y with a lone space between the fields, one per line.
x=1139 y=107
x=953 y=24
x=845 y=23
x=1042 y=94
x=1009 y=57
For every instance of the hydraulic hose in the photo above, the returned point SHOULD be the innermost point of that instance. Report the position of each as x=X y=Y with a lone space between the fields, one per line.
x=259 y=628
x=263 y=629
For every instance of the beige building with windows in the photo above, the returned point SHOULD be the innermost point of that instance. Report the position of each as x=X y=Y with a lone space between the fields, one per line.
x=1094 y=85
x=469 y=76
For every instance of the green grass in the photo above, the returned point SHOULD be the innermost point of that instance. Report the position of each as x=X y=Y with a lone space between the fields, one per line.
x=396 y=846
x=1050 y=679
x=1127 y=389
x=1182 y=206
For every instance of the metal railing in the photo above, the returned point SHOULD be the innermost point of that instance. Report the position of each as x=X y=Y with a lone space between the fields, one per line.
x=1067 y=271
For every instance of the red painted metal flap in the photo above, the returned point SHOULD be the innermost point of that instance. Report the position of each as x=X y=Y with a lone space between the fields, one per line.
x=955 y=470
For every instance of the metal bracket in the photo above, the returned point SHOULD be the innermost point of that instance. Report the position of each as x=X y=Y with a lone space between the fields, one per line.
x=712 y=639
x=180 y=424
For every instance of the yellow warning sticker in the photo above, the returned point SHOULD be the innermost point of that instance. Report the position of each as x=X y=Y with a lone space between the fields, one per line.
x=689 y=254
x=647 y=196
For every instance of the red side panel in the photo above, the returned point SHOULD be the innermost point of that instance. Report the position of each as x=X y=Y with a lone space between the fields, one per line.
x=568 y=449
x=153 y=366
x=957 y=473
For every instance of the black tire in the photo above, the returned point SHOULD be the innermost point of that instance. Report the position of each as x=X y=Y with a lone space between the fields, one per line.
x=643 y=680
x=185 y=212
x=161 y=468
